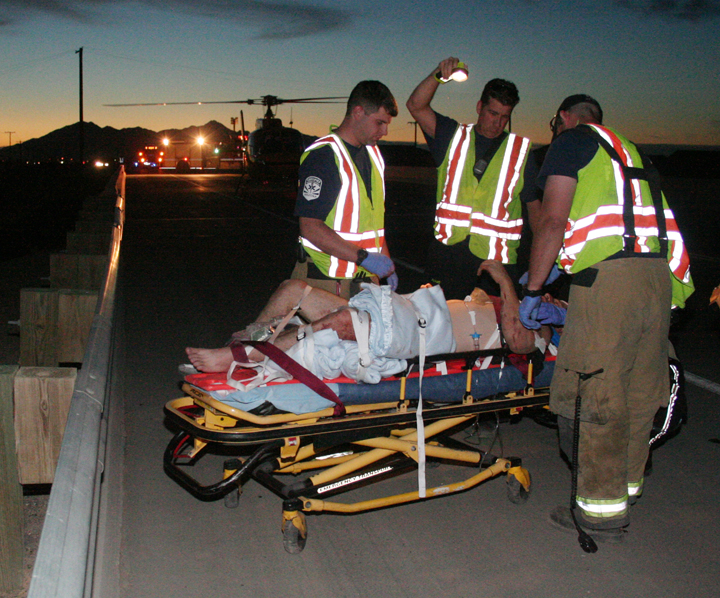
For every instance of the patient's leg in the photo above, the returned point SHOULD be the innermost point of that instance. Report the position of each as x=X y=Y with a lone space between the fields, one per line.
x=220 y=360
x=317 y=304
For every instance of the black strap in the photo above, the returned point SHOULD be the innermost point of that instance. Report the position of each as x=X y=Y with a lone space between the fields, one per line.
x=647 y=173
x=489 y=154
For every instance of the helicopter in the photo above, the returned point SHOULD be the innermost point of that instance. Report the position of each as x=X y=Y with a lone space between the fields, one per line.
x=273 y=150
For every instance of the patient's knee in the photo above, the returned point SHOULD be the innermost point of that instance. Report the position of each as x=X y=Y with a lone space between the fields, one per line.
x=340 y=321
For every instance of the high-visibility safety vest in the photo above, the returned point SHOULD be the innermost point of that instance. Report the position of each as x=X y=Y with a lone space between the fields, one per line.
x=489 y=210
x=354 y=216
x=601 y=225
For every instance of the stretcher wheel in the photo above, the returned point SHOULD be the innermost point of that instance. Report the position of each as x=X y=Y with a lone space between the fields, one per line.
x=294 y=533
x=518 y=486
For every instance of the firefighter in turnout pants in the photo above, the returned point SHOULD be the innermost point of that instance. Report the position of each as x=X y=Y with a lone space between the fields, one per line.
x=605 y=220
x=341 y=199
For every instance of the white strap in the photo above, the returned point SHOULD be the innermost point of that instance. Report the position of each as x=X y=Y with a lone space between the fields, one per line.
x=281 y=326
x=361 y=325
x=485 y=364
x=419 y=423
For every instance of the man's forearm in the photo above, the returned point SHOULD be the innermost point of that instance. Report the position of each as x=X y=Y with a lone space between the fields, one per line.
x=327 y=240
x=548 y=238
x=419 y=104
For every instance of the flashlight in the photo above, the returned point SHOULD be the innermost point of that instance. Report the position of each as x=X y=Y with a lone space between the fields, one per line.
x=459 y=74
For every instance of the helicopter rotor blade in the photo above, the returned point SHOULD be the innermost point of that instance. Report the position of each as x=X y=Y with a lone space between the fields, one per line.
x=265 y=101
x=183 y=103
x=328 y=100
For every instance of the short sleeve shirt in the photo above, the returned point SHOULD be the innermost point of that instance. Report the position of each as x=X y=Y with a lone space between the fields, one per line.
x=445 y=128
x=567 y=155
x=319 y=180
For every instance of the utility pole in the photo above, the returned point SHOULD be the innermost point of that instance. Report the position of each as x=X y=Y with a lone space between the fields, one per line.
x=82 y=120
x=415 y=125
x=10 y=134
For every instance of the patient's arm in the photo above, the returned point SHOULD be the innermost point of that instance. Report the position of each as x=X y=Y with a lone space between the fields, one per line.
x=518 y=338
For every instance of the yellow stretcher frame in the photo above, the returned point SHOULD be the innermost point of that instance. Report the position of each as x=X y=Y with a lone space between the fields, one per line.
x=378 y=441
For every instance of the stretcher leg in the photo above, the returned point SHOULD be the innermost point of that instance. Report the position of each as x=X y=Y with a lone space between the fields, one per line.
x=294 y=527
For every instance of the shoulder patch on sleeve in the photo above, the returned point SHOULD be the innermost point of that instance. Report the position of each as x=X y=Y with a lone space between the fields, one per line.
x=311 y=188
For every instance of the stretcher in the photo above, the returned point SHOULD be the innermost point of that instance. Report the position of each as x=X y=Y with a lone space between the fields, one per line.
x=309 y=458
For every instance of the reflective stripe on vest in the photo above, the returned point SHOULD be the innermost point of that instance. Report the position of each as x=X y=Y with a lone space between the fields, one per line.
x=495 y=222
x=346 y=220
x=607 y=220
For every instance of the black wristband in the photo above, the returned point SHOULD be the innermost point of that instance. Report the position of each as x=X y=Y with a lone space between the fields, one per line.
x=361 y=255
x=528 y=293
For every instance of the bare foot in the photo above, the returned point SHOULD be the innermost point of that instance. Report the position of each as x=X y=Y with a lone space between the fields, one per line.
x=210 y=360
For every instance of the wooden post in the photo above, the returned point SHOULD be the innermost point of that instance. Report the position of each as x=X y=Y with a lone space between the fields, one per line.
x=76 y=309
x=38 y=327
x=77 y=271
x=54 y=325
x=11 y=498
x=94 y=243
x=42 y=403
x=92 y=226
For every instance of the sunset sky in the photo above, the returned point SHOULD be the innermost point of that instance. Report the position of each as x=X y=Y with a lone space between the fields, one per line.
x=654 y=65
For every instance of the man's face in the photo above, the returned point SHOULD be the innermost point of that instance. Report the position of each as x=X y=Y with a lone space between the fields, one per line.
x=371 y=128
x=492 y=118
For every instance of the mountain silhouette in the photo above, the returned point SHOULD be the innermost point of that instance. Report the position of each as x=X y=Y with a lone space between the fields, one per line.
x=105 y=143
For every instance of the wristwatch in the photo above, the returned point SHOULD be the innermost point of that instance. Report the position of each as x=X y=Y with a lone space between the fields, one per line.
x=361 y=255
x=528 y=293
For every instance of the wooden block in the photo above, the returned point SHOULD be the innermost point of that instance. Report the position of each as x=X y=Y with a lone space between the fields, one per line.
x=11 y=497
x=77 y=271
x=97 y=227
x=42 y=403
x=91 y=243
x=38 y=327
x=76 y=309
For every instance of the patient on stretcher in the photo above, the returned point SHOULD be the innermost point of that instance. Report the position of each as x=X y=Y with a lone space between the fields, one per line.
x=386 y=328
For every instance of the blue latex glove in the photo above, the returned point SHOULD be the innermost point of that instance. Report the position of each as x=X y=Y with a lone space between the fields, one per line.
x=529 y=308
x=555 y=273
x=393 y=280
x=551 y=315
x=379 y=264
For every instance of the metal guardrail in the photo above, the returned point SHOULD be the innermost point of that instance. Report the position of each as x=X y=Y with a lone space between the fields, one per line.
x=66 y=558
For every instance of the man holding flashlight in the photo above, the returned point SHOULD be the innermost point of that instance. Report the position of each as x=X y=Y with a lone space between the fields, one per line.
x=484 y=175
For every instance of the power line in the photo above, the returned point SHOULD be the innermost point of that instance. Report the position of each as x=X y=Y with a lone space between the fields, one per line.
x=44 y=59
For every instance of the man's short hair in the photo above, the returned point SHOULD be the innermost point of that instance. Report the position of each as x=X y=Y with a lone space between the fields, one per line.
x=501 y=90
x=371 y=96
x=584 y=106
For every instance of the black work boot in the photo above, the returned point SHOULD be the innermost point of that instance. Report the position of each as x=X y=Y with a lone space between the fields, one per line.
x=562 y=518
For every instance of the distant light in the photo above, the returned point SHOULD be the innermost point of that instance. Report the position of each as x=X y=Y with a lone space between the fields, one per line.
x=200 y=140
x=216 y=151
x=166 y=142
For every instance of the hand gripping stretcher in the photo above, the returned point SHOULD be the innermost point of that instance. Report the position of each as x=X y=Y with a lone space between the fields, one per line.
x=369 y=435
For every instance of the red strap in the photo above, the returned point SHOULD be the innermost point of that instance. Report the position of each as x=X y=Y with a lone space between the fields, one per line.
x=300 y=373
x=238 y=352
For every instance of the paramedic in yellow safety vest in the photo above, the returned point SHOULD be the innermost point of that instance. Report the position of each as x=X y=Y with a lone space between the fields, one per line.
x=605 y=220
x=484 y=176
x=341 y=198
